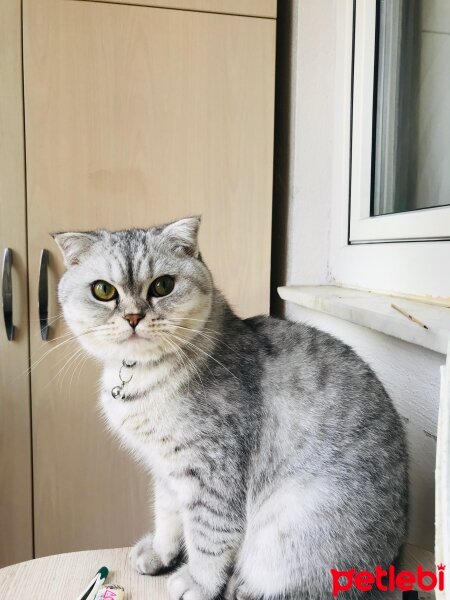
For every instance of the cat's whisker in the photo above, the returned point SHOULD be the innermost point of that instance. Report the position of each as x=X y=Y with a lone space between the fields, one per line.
x=202 y=321
x=171 y=320
x=178 y=354
x=80 y=370
x=194 y=366
x=205 y=353
x=66 y=335
x=183 y=349
x=73 y=366
x=49 y=319
x=46 y=353
x=71 y=337
x=209 y=337
x=187 y=319
x=81 y=359
x=197 y=372
x=67 y=361
x=66 y=368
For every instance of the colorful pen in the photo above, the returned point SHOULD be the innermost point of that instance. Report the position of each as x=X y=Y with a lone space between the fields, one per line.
x=94 y=585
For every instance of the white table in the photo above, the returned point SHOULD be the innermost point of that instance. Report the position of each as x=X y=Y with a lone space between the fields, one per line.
x=65 y=576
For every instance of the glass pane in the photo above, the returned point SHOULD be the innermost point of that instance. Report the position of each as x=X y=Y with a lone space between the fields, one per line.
x=411 y=154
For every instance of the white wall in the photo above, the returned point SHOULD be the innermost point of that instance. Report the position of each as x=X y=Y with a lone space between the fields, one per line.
x=410 y=373
x=310 y=187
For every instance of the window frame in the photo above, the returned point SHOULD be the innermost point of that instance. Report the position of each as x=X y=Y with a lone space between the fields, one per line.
x=414 y=268
x=419 y=225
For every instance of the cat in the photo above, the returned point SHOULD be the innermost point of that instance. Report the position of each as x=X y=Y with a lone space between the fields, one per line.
x=276 y=453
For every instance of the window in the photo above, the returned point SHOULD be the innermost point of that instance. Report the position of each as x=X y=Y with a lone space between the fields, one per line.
x=361 y=252
x=400 y=160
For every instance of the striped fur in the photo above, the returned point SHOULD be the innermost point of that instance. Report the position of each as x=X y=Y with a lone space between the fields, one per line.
x=276 y=453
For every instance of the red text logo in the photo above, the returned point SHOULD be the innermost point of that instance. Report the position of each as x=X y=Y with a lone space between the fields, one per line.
x=387 y=580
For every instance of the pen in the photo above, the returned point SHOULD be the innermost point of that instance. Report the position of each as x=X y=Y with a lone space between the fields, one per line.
x=408 y=316
x=95 y=584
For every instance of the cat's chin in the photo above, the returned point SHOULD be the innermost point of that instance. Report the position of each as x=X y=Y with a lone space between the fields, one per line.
x=133 y=348
x=139 y=348
x=136 y=339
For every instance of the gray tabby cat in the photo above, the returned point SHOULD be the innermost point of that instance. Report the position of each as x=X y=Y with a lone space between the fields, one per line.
x=277 y=454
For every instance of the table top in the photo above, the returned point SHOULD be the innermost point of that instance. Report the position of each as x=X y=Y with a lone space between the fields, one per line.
x=67 y=575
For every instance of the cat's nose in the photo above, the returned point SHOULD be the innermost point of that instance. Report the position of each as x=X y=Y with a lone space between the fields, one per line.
x=133 y=320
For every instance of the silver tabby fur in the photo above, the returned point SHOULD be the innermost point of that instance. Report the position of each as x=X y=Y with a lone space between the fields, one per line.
x=275 y=450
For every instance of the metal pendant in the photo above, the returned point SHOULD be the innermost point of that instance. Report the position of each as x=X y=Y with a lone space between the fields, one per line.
x=130 y=365
x=116 y=392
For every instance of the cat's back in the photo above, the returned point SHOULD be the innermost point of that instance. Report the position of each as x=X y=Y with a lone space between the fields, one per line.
x=326 y=410
x=312 y=372
x=313 y=355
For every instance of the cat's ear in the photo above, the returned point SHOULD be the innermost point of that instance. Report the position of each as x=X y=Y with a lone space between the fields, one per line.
x=74 y=244
x=184 y=235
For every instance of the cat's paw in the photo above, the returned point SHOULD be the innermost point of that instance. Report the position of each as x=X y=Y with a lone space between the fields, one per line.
x=234 y=590
x=182 y=586
x=237 y=594
x=144 y=559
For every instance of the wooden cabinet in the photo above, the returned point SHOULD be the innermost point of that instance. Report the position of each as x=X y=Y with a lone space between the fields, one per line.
x=134 y=115
x=255 y=8
x=16 y=529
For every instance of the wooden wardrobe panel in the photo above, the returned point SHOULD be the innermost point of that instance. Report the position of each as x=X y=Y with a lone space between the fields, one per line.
x=135 y=116
x=16 y=534
x=257 y=8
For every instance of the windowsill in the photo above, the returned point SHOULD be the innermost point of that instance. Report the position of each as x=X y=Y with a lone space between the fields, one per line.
x=375 y=311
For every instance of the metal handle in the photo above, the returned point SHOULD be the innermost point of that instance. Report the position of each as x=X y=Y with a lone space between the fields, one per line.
x=43 y=294
x=7 y=294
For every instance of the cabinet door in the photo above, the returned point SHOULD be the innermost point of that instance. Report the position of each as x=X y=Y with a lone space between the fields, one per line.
x=135 y=116
x=257 y=8
x=16 y=534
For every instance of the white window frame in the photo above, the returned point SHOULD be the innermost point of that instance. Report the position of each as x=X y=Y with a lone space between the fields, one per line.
x=376 y=253
x=425 y=224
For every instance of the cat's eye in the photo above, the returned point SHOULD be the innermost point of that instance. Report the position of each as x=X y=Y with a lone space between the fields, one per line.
x=102 y=290
x=161 y=286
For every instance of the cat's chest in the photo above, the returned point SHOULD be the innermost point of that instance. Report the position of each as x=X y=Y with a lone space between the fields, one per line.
x=148 y=418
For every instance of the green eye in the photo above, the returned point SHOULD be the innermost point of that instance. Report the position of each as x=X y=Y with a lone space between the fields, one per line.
x=102 y=290
x=162 y=286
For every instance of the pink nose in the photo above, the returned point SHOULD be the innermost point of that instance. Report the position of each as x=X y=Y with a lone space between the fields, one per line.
x=133 y=320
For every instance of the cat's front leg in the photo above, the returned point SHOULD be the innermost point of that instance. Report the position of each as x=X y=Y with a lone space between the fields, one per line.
x=157 y=552
x=211 y=541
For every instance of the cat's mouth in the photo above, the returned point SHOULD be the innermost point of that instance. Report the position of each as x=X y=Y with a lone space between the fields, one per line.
x=135 y=337
x=139 y=338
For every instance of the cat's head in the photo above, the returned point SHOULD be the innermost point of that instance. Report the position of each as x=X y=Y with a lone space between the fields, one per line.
x=135 y=294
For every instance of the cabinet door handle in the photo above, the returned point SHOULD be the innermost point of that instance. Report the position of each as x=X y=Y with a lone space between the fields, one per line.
x=7 y=293
x=43 y=295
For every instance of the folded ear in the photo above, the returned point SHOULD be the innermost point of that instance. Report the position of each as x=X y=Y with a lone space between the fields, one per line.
x=184 y=235
x=74 y=244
